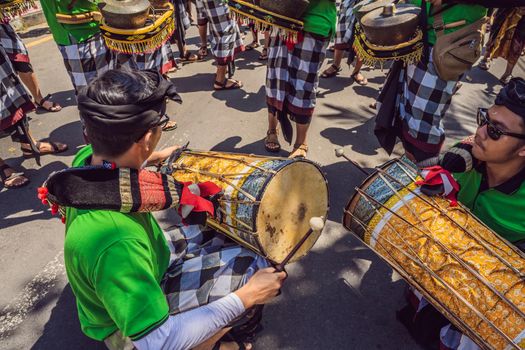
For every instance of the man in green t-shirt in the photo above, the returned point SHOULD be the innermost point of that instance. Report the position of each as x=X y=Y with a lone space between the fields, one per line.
x=415 y=94
x=82 y=46
x=490 y=169
x=292 y=76
x=136 y=285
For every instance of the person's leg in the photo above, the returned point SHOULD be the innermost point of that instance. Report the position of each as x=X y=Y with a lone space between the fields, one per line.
x=203 y=34
x=31 y=82
x=223 y=83
x=335 y=67
x=271 y=142
x=356 y=74
x=10 y=178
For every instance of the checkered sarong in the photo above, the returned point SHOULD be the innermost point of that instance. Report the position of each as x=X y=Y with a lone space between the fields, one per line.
x=204 y=267
x=292 y=76
x=423 y=101
x=91 y=58
x=12 y=43
x=345 y=25
x=87 y=60
x=226 y=36
x=162 y=59
x=14 y=99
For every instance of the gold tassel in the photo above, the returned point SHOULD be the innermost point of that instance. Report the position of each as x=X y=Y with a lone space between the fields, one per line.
x=15 y=8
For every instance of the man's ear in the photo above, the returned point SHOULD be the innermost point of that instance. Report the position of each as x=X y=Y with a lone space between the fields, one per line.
x=144 y=141
x=521 y=151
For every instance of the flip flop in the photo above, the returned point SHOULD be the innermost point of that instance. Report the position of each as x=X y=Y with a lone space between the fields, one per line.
x=361 y=82
x=11 y=177
x=299 y=151
x=264 y=55
x=251 y=46
x=55 y=149
x=190 y=57
x=54 y=108
x=223 y=86
x=335 y=71
x=203 y=52
x=170 y=126
x=267 y=142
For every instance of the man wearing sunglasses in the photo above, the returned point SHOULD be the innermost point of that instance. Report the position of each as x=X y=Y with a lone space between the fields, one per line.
x=137 y=286
x=490 y=170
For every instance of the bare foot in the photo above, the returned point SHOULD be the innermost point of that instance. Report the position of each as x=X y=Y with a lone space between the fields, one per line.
x=234 y=346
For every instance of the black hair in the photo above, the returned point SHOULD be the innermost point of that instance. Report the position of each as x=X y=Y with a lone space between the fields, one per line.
x=118 y=87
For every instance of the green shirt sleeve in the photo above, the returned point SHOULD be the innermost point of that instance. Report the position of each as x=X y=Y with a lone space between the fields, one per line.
x=125 y=282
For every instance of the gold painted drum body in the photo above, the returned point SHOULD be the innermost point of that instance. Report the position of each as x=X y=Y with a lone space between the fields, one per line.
x=267 y=202
x=464 y=269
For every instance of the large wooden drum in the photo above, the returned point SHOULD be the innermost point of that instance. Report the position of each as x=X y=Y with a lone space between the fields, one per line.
x=464 y=269
x=268 y=202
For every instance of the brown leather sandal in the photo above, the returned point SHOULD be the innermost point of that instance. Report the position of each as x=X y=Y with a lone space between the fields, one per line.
x=299 y=151
x=271 y=142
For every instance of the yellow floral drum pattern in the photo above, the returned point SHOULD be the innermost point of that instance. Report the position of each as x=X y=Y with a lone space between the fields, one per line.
x=438 y=238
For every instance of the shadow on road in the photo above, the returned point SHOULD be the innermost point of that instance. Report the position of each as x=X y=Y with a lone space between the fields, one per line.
x=62 y=331
x=34 y=33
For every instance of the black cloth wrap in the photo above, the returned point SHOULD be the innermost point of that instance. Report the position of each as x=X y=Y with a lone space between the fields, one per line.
x=512 y=96
x=130 y=118
x=262 y=14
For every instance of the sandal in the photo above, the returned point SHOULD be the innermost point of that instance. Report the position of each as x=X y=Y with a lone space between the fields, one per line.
x=190 y=57
x=264 y=55
x=271 y=144
x=484 y=64
x=12 y=177
x=252 y=46
x=359 y=78
x=331 y=71
x=299 y=151
x=170 y=126
x=203 y=52
x=505 y=79
x=55 y=148
x=241 y=345
x=55 y=107
x=224 y=85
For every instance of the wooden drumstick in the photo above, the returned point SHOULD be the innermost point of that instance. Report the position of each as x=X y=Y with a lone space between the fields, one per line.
x=316 y=225
x=340 y=152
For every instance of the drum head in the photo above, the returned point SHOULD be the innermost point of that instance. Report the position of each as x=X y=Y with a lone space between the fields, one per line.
x=295 y=194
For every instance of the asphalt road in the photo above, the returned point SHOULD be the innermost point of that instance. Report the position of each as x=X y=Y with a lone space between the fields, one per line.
x=341 y=296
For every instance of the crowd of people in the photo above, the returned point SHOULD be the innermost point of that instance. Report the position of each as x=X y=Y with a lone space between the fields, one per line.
x=139 y=287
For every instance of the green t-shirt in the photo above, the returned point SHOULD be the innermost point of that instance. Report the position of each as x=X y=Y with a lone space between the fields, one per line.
x=67 y=34
x=114 y=263
x=320 y=18
x=469 y=13
x=502 y=209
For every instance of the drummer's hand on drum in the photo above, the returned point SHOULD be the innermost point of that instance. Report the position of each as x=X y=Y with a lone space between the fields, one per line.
x=262 y=287
x=158 y=157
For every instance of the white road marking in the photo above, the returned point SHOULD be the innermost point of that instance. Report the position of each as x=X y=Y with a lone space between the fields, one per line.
x=35 y=291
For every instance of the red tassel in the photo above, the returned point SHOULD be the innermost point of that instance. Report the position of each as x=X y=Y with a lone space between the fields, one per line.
x=63 y=219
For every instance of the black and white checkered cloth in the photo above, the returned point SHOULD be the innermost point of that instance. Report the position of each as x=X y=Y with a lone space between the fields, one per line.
x=13 y=44
x=205 y=266
x=162 y=59
x=292 y=76
x=14 y=99
x=91 y=58
x=87 y=60
x=345 y=25
x=226 y=37
x=423 y=101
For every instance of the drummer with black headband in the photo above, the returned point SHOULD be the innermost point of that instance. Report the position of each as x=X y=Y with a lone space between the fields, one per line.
x=136 y=285
x=490 y=170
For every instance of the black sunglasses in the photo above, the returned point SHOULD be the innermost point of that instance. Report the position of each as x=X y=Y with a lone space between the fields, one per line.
x=163 y=121
x=492 y=130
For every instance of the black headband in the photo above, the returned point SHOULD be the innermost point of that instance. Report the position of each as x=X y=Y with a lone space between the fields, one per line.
x=130 y=118
x=512 y=96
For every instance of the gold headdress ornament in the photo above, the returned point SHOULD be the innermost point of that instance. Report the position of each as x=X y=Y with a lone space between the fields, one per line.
x=140 y=40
